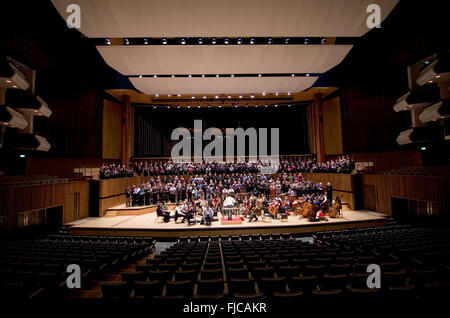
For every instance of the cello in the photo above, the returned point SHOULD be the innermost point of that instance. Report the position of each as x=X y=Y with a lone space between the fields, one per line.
x=334 y=210
x=273 y=208
x=306 y=208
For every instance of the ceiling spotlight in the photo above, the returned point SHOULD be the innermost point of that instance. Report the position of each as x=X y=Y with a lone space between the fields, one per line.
x=287 y=41
x=252 y=96
x=266 y=105
x=292 y=74
x=236 y=106
x=189 y=75
x=145 y=41
x=289 y=105
x=276 y=105
x=156 y=95
x=173 y=75
x=259 y=75
x=306 y=41
x=204 y=96
x=264 y=94
x=188 y=106
x=276 y=93
x=126 y=41
x=217 y=96
x=198 y=106
x=178 y=95
x=154 y=106
x=183 y=41
x=178 y=106
x=203 y=75
x=232 y=75
x=226 y=41
x=240 y=96
x=168 y=95
x=269 y=41
x=193 y=97
x=252 y=41
x=324 y=40
x=168 y=106
x=200 y=41
x=239 y=41
x=209 y=106
x=107 y=41
x=164 y=41
x=289 y=93
x=140 y=76
x=229 y=96
x=155 y=75
x=220 y=106
x=213 y=41
x=217 y=75
x=256 y=105
x=307 y=75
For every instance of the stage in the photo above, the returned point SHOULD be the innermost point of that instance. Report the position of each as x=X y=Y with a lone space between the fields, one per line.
x=148 y=224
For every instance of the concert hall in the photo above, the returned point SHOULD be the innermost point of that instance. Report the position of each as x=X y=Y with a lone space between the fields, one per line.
x=224 y=157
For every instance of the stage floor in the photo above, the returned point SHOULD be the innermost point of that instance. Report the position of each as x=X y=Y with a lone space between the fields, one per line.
x=149 y=225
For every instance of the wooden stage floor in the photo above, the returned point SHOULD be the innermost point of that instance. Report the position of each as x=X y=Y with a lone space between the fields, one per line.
x=149 y=225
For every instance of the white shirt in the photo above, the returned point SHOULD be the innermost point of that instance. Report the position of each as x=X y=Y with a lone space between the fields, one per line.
x=229 y=202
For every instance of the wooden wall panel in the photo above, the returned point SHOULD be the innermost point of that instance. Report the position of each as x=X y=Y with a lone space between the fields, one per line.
x=14 y=200
x=343 y=182
x=427 y=188
x=112 y=121
x=332 y=130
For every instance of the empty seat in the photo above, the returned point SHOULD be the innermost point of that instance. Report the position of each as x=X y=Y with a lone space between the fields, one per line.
x=148 y=289
x=186 y=275
x=175 y=288
x=241 y=272
x=241 y=286
x=259 y=273
x=115 y=290
x=305 y=284
x=331 y=282
x=270 y=285
x=211 y=274
x=210 y=286
x=131 y=276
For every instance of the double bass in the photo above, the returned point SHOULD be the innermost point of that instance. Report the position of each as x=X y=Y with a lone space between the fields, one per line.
x=334 y=210
x=306 y=208
x=273 y=208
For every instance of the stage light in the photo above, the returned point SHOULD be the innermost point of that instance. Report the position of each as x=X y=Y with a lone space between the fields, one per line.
x=209 y=106
x=164 y=41
x=107 y=41
x=8 y=81
x=145 y=41
x=269 y=41
x=289 y=105
x=264 y=94
x=200 y=41
x=188 y=106
x=220 y=106
x=252 y=96
x=204 y=96
x=168 y=95
x=140 y=76
x=154 y=107
x=193 y=97
x=217 y=96
x=423 y=148
x=14 y=86
x=156 y=95
x=173 y=75
x=307 y=75
x=168 y=106
x=183 y=41
x=293 y=75
x=178 y=106
x=232 y=75
x=287 y=41
x=289 y=93
x=236 y=106
x=324 y=40
x=240 y=96
x=276 y=105
x=198 y=106
x=203 y=75
x=229 y=96
x=256 y=105
x=306 y=41
x=226 y=41
x=155 y=75
x=276 y=93
x=22 y=156
x=126 y=41
x=189 y=75
x=266 y=105
x=217 y=75
x=239 y=41
x=259 y=75
x=213 y=41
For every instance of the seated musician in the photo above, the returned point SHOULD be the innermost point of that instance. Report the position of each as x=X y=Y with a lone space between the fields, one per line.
x=207 y=214
x=164 y=213
x=179 y=213
x=186 y=212
x=255 y=205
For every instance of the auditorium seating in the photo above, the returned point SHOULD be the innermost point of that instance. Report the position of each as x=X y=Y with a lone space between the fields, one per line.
x=37 y=268
x=16 y=181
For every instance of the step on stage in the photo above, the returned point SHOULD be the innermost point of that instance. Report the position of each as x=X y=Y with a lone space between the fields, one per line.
x=143 y=221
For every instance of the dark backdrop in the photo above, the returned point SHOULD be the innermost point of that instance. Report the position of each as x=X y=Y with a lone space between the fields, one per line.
x=153 y=127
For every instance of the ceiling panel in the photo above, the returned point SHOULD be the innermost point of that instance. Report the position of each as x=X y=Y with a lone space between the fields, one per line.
x=235 y=85
x=223 y=59
x=191 y=18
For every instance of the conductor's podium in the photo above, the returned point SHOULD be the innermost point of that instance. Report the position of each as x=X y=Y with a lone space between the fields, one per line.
x=233 y=221
x=230 y=217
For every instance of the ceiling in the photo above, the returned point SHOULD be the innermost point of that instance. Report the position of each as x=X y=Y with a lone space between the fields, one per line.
x=122 y=20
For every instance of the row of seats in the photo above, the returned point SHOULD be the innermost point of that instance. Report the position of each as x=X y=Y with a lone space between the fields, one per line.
x=37 y=268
